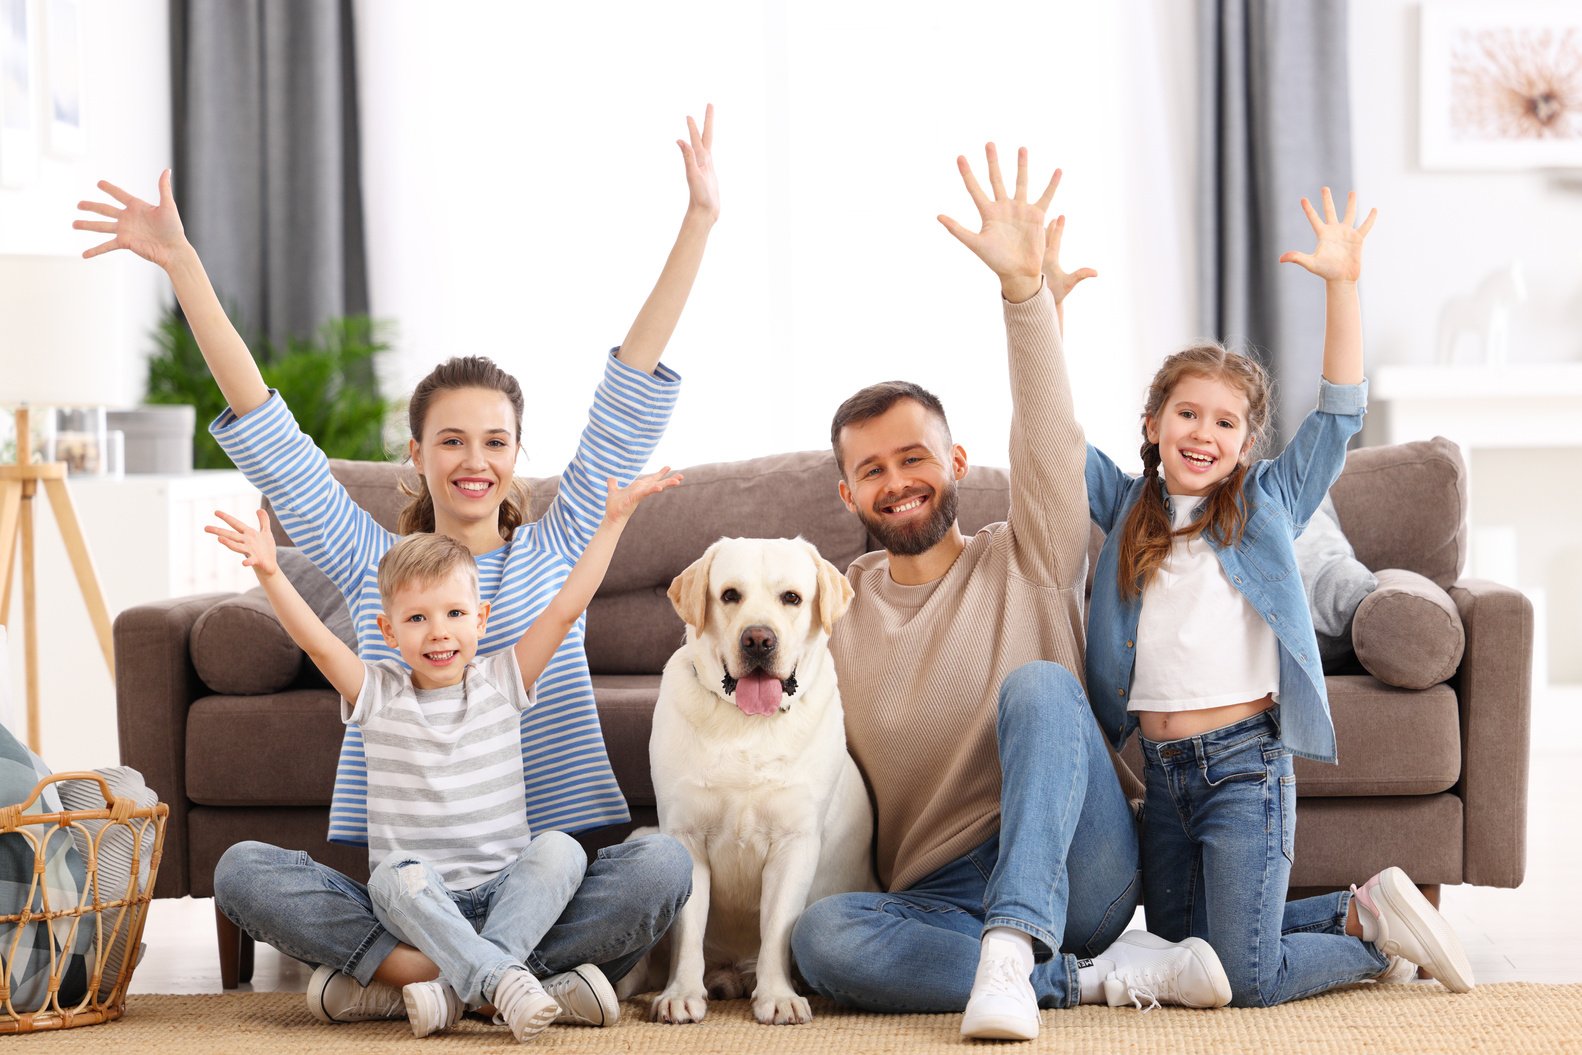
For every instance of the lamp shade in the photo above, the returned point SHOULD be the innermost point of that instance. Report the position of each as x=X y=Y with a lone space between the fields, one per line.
x=63 y=332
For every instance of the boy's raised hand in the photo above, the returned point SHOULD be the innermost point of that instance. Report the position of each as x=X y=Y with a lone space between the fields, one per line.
x=1060 y=282
x=621 y=502
x=1011 y=239
x=255 y=544
x=1338 y=255
x=698 y=153
x=153 y=232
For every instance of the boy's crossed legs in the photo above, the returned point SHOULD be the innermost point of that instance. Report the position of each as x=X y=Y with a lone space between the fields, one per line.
x=629 y=894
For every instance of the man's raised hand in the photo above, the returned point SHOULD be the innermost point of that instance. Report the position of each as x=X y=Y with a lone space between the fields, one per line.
x=1011 y=238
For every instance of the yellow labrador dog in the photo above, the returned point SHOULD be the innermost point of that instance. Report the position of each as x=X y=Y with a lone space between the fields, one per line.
x=751 y=772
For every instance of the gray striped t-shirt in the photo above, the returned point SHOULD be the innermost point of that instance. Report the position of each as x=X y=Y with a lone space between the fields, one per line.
x=445 y=778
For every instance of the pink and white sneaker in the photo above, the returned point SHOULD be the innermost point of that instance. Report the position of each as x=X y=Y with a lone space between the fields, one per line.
x=1399 y=921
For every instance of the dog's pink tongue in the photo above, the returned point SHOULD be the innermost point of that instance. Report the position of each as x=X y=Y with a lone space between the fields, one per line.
x=758 y=694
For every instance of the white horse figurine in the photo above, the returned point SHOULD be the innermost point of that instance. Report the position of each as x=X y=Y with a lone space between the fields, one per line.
x=1484 y=315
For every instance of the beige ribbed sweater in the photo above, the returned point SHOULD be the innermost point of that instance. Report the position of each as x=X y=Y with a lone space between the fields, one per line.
x=920 y=666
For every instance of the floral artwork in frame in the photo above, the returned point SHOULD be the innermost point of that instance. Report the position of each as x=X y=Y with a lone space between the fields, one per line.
x=1501 y=84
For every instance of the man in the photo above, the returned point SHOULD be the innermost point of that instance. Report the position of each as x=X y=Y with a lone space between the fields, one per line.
x=1005 y=843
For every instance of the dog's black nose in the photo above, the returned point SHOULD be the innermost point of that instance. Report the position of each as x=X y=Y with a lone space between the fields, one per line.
x=758 y=642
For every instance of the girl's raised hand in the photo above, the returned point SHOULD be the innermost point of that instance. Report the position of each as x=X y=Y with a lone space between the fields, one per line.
x=1338 y=255
x=153 y=232
x=1060 y=282
x=255 y=544
x=698 y=153
x=621 y=502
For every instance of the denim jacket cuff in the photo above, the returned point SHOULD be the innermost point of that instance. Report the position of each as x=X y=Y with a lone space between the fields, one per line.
x=1342 y=399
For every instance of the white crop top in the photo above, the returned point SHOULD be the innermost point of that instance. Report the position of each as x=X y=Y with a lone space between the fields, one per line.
x=1199 y=643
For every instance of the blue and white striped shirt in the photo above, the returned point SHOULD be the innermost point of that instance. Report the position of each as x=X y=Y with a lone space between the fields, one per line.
x=570 y=786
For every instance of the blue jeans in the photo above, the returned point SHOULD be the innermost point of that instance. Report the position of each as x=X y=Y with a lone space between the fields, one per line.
x=629 y=894
x=1219 y=824
x=1063 y=869
x=474 y=936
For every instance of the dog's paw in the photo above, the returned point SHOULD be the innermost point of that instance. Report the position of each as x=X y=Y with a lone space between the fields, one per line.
x=676 y=1005
x=781 y=1009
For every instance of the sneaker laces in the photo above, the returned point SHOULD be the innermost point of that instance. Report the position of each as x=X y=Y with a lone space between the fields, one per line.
x=1144 y=985
x=999 y=976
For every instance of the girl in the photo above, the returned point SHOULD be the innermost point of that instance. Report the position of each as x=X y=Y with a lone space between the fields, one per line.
x=1200 y=635
x=465 y=420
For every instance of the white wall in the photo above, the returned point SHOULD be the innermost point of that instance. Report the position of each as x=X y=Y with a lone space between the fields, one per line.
x=1439 y=234
x=95 y=314
x=108 y=305
x=523 y=209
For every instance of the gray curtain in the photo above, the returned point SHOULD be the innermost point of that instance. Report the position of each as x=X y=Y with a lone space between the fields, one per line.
x=1275 y=128
x=266 y=170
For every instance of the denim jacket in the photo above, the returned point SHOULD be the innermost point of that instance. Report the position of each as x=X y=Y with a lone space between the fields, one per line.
x=1281 y=495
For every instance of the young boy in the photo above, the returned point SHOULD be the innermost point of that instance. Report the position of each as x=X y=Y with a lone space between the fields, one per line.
x=448 y=839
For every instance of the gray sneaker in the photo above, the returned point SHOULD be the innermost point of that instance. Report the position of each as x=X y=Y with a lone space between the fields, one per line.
x=585 y=996
x=336 y=997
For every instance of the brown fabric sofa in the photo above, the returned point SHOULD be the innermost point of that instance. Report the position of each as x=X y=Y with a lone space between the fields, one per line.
x=1433 y=779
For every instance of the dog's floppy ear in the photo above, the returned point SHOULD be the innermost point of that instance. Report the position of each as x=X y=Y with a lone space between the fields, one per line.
x=834 y=591
x=689 y=591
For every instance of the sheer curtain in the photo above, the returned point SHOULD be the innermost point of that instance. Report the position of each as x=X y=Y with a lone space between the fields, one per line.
x=522 y=197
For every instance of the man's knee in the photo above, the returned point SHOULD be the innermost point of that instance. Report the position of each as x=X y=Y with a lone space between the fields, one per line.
x=1041 y=691
x=821 y=942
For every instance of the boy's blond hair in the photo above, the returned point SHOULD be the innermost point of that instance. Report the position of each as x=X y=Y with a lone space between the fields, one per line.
x=423 y=558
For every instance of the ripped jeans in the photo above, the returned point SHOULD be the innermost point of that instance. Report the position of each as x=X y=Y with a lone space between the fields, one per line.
x=474 y=936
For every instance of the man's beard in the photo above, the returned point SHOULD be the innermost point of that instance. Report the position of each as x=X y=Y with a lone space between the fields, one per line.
x=910 y=539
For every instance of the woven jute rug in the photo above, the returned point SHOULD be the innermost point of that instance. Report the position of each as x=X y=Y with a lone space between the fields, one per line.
x=1508 y=1019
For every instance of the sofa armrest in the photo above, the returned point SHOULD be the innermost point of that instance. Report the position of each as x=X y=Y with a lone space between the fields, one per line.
x=1494 y=689
x=155 y=684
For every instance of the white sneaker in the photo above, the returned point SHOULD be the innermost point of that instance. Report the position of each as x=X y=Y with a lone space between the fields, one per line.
x=431 y=1007
x=585 y=996
x=521 y=1003
x=1400 y=921
x=1003 y=1005
x=336 y=997
x=1147 y=967
x=1400 y=972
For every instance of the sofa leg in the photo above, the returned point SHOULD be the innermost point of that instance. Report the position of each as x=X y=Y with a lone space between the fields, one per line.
x=1431 y=892
x=236 y=952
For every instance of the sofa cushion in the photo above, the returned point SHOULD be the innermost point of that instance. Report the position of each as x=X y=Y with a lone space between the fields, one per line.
x=1372 y=721
x=1405 y=506
x=1408 y=633
x=277 y=749
x=238 y=645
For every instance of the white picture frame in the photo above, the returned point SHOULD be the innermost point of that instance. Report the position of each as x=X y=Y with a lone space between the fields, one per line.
x=18 y=132
x=63 y=95
x=1500 y=84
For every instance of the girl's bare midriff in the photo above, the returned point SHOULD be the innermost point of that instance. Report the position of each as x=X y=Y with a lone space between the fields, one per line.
x=1159 y=726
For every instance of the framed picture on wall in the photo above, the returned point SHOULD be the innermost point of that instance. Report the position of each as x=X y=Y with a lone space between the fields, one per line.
x=18 y=138
x=63 y=77
x=1501 y=84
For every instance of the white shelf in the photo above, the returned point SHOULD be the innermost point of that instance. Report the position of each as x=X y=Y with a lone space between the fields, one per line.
x=145 y=533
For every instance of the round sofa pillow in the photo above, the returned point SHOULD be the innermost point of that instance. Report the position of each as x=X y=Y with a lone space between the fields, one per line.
x=1407 y=633
x=239 y=648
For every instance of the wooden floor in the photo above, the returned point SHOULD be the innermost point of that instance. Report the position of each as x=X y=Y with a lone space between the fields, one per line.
x=1530 y=934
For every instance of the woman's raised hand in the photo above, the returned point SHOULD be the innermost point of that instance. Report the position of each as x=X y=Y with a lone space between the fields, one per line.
x=153 y=232
x=621 y=502
x=1338 y=255
x=698 y=152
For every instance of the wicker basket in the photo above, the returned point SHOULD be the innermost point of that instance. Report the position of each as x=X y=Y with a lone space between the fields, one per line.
x=115 y=916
